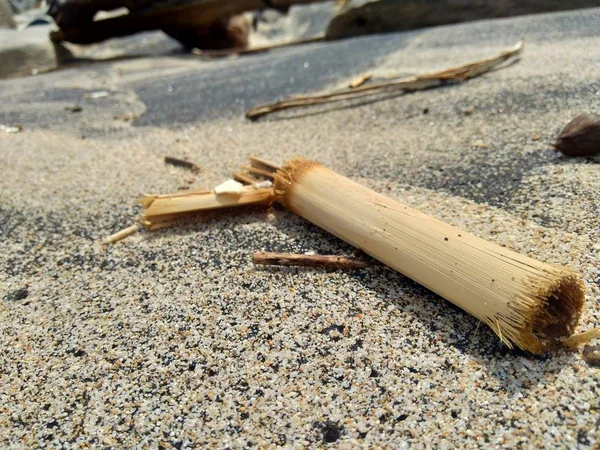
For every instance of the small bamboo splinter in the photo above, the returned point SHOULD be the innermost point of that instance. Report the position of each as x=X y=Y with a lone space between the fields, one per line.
x=322 y=261
x=120 y=235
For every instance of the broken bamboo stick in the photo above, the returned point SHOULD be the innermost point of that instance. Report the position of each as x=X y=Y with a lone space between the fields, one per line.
x=177 y=204
x=527 y=303
x=321 y=261
x=420 y=82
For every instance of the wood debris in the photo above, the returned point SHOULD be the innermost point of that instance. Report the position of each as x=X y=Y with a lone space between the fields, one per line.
x=164 y=210
x=360 y=80
x=320 y=261
x=177 y=162
x=120 y=235
x=425 y=81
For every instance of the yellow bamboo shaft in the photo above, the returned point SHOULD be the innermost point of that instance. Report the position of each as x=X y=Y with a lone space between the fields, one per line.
x=526 y=302
x=177 y=204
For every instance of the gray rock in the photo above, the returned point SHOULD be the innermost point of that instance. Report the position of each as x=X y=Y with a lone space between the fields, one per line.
x=6 y=15
x=368 y=17
x=28 y=51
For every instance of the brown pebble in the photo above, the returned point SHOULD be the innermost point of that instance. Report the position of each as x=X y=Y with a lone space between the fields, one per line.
x=581 y=136
x=73 y=108
x=591 y=355
x=468 y=111
x=536 y=137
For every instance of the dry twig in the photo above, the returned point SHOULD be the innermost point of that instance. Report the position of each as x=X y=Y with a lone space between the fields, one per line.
x=120 y=235
x=427 y=81
x=322 y=261
x=249 y=51
x=182 y=163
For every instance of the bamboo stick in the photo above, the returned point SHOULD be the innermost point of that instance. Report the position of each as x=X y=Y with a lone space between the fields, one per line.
x=425 y=81
x=322 y=261
x=527 y=303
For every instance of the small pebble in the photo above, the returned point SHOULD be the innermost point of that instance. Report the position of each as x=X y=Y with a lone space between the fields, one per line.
x=580 y=137
x=19 y=294
x=591 y=355
x=73 y=108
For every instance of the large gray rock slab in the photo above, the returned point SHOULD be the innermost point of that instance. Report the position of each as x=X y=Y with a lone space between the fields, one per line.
x=6 y=16
x=28 y=51
x=380 y=16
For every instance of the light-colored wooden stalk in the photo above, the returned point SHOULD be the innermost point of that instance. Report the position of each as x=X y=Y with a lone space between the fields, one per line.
x=527 y=303
x=177 y=204
x=120 y=235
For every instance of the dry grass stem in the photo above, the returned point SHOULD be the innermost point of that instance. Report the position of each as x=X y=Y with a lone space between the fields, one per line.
x=426 y=81
x=120 y=235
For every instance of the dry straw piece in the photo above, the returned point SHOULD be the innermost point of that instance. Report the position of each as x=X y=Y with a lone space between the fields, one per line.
x=527 y=303
x=420 y=82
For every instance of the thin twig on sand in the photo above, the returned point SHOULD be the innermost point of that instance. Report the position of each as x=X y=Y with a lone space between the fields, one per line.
x=420 y=82
x=322 y=261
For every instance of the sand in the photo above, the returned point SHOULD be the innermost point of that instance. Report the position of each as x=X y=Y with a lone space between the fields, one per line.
x=173 y=339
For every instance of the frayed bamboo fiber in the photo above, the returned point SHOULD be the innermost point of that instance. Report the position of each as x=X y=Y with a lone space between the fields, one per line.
x=527 y=303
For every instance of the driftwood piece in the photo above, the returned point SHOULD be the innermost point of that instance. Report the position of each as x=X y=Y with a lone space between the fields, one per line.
x=193 y=22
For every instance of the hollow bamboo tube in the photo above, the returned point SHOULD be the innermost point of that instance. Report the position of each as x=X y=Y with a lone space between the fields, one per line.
x=527 y=303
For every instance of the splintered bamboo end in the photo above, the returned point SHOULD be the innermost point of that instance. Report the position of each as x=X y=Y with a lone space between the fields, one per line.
x=555 y=314
x=288 y=175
